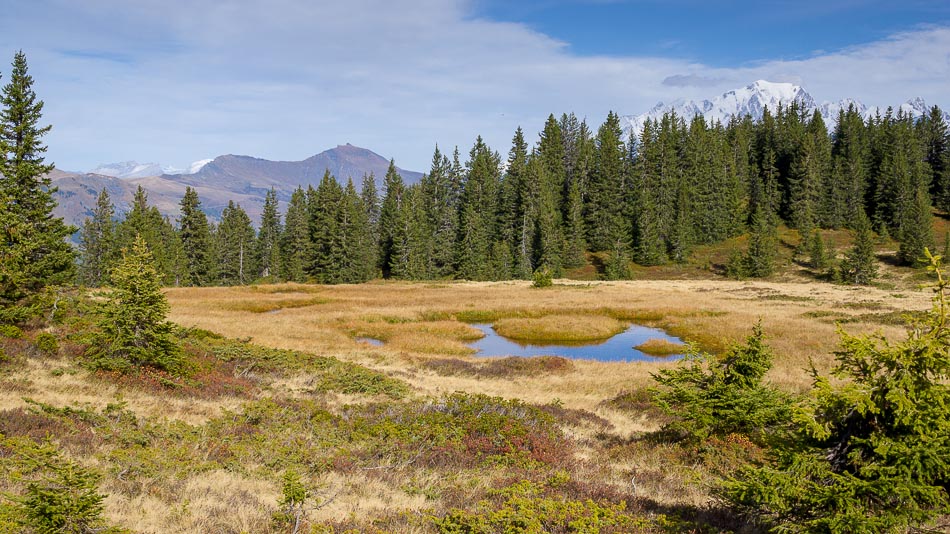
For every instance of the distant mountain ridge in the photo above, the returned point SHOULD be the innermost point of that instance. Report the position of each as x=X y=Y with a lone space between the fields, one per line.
x=753 y=99
x=243 y=179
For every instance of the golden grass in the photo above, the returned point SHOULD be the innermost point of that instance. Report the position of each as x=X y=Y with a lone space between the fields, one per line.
x=420 y=320
x=559 y=328
x=660 y=347
x=272 y=305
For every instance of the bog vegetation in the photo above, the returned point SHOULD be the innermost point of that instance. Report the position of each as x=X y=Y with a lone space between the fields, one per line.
x=114 y=419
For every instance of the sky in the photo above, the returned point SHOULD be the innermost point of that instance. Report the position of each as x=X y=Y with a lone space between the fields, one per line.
x=176 y=81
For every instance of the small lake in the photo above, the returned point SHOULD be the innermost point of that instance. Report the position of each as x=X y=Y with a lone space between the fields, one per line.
x=616 y=349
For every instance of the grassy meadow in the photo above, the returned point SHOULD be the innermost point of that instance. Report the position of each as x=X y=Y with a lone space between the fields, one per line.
x=417 y=435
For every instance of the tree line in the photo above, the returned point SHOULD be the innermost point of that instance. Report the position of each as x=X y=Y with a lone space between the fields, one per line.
x=572 y=197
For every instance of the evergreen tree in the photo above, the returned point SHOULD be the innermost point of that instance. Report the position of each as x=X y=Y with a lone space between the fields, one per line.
x=235 y=243
x=195 y=238
x=389 y=217
x=295 y=239
x=97 y=251
x=358 y=242
x=412 y=244
x=439 y=202
x=159 y=236
x=936 y=140
x=325 y=206
x=35 y=252
x=477 y=208
x=605 y=215
x=649 y=246
x=268 y=238
x=860 y=263
x=763 y=244
x=134 y=331
x=521 y=199
x=844 y=190
x=917 y=232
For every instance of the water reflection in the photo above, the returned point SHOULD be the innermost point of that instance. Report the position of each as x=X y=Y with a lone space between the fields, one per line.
x=616 y=349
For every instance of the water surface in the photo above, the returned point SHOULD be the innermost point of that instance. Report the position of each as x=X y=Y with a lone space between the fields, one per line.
x=616 y=349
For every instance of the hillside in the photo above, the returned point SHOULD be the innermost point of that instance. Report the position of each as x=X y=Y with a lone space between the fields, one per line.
x=243 y=179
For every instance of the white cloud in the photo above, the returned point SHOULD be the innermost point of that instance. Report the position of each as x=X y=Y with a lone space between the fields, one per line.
x=179 y=80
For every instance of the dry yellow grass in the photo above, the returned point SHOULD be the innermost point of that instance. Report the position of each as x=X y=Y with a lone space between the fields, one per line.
x=418 y=321
x=660 y=347
x=559 y=328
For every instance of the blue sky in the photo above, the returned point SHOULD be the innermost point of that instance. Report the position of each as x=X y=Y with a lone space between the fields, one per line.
x=175 y=81
x=723 y=33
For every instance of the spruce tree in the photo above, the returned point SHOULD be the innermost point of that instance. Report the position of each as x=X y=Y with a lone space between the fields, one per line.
x=860 y=262
x=195 y=238
x=35 y=252
x=605 y=218
x=936 y=140
x=97 y=251
x=134 y=331
x=522 y=199
x=439 y=202
x=325 y=206
x=917 y=231
x=477 y=217
x=295 y=239
x=235 y=243
x=763 y=245
x=358 y=242
x=389 y=215
x=268 y=238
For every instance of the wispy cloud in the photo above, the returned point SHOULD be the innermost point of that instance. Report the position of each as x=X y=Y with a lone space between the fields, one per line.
x=179 y=80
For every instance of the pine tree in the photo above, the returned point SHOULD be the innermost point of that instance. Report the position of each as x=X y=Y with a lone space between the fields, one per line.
x=134 y=331
x=295 y=239
x=97 y=251
x=268 y=238
x=649 y=246
x=35 y=252
x=195 y=238
x=843 y=193
x=235 y=243
x=521 y=199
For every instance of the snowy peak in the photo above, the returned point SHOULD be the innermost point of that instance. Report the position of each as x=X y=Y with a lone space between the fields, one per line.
x=130 y=170
x=753 y=99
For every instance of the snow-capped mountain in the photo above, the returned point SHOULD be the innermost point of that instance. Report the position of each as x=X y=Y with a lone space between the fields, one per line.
x=129 y=170
x=753 y=99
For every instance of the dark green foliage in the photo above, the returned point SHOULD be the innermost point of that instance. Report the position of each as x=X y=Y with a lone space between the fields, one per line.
x=295 y=239
x=57 y=495
x=860 y=262
x=47 y=343
x=763 y=245
x=872 y=452
x=709 y=395
x=268 y=238
x=234 y=242
x=34 y=254
x=440 y=204
x=97 y=251
x=389 y=217
x=196 y=242
x=542 y=277
x=160 y=237
x=477 y=213
x=605 y=216
x=358 y=241
x=817 y=252
x=917 y=230
x=325 y=205
x=133 y=331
